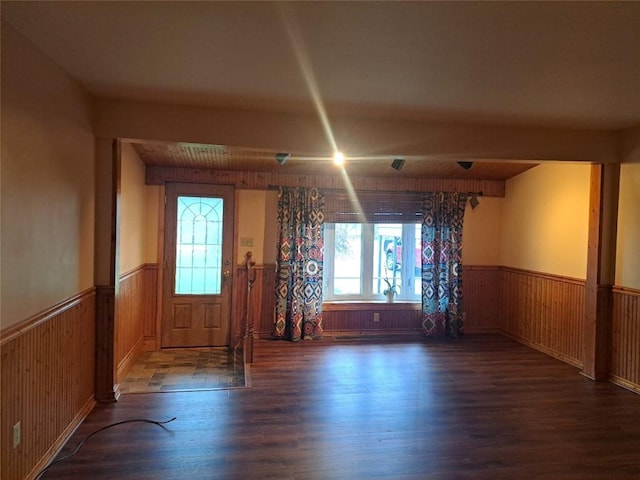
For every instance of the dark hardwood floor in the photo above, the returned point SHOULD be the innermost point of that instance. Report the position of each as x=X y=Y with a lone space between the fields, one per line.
x=482 y=407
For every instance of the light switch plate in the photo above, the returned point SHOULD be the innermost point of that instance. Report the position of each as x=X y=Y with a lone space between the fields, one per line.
x=246 y=241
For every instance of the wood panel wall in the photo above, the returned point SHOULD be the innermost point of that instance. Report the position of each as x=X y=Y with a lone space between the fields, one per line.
x=47 y=383
x=338 y=318
x=543 y=311
x=262 y=300
x=485 y=294
x=358 y=318
x=135 y=316
x=157 y=175
x=150 y=301
x=625 y=338
x=47 y=362
x=481 y=287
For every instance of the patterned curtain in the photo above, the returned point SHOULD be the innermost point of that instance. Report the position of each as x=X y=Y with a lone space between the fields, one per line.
x=442 y=308
x=299 y=268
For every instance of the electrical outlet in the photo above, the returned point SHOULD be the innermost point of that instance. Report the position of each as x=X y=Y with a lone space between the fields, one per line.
x=376 y=317
x=16 y=435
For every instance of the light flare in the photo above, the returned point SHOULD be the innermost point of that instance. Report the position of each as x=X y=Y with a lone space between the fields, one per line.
x=353 y=196
x=293 y=32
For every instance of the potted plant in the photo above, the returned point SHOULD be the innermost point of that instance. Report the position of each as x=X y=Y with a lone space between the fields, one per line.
x=391 y=290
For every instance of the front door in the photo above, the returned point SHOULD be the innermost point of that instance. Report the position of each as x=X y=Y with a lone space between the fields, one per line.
x=198 y=258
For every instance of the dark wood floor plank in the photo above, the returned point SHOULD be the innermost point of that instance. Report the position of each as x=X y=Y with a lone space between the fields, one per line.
x=482 y=407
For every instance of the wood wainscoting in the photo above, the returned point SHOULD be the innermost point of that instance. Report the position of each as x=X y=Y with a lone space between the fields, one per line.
x=482 y=408
x=540 y=310
x=262 y=301
x=482 y=286
x=543 y=311
x=135 y=328
x=47 y=382
x=337 y=317
x=371 y=317
x=625 y=338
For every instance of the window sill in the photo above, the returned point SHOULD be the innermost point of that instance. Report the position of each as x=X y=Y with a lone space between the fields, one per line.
x=378 y=305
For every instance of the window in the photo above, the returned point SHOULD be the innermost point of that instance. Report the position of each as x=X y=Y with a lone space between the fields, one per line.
x=198 y=246
x=358 y=257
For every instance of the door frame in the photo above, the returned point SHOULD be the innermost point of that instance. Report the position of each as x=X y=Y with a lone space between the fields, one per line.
x=233 y=324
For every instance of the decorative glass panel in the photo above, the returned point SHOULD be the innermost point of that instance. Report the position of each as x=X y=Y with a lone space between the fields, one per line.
x=199 y=246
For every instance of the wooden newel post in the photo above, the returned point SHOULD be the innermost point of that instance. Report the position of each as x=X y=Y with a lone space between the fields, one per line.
x=248 y=327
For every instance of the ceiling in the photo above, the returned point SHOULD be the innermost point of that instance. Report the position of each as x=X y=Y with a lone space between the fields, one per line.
x=219 y=157
x=551 y=64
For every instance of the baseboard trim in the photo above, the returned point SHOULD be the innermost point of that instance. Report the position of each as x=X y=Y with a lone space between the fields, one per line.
x=415 y=331
x=545 y=350
x=621 y=382
x=381 y=333
x=125 y=365
x=150 y=344
x=481 y=330
x=110 y=396
x=55 y=448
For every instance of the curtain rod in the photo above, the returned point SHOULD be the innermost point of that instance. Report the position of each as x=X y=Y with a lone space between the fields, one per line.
x=386 y=192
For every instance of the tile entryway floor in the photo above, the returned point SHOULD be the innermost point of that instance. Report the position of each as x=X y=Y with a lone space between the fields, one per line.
x=185 y=369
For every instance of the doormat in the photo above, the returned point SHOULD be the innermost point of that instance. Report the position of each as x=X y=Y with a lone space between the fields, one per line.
x=186 y=370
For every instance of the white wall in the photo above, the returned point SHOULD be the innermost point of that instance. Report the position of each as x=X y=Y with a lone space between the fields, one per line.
x=257 y=215
x=628 y=239
x=546 y=218
x=132 y=217
x=139 y=213
x=482 y=232
x=48 y=183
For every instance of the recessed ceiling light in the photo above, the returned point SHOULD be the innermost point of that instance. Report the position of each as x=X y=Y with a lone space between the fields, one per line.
x=282 y=158
x=338 y=158
x=398 y=163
